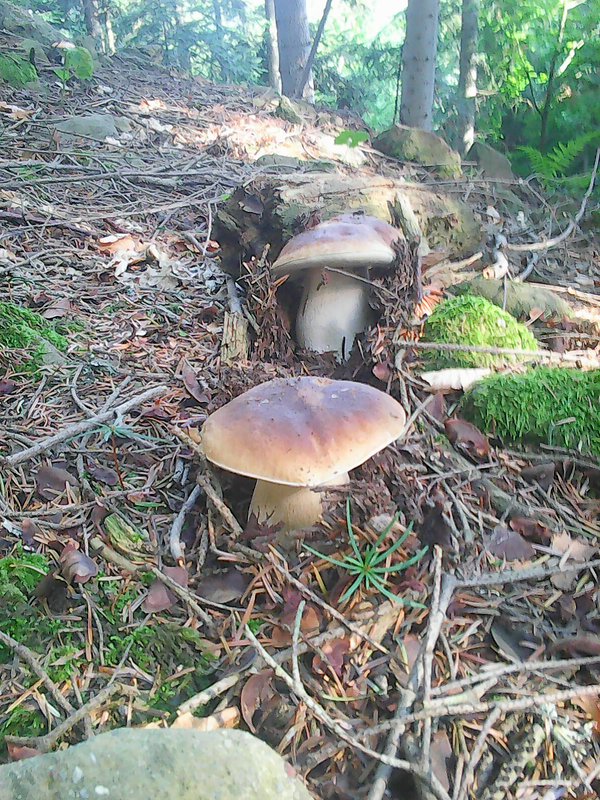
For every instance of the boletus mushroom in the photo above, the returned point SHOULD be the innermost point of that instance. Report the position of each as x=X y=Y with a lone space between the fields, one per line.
x=333 y=259
x=296 y=436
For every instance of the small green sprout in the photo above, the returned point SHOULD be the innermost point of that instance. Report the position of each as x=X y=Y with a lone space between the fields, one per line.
x=367 y=567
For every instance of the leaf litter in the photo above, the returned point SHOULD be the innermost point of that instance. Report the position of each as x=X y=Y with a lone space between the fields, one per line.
x=86 y=564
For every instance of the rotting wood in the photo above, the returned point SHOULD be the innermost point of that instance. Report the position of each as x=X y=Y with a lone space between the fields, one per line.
x=271 y=209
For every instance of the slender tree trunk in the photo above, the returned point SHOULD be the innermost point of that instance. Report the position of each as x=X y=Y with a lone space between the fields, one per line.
x=306 y=72
x=551 y=75
x=92 y=20
x=110 y=44
x=293 y=37
x=272 y=49
x=418 y=63
x=467 y=79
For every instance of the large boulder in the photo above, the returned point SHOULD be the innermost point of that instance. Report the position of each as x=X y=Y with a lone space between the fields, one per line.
x=492 y=164
x=422 y=147
x=22 y=22
x=138 y=764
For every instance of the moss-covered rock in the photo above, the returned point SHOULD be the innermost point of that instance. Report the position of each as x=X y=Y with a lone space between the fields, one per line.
x=560 y=407
x=474 y=321
x=23 y=329
x=521 y=298
x=492 y=164
x=171 y=764
x=421 y=147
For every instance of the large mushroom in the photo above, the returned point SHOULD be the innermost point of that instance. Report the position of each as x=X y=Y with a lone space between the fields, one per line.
x=296 y=436
x=334 y=306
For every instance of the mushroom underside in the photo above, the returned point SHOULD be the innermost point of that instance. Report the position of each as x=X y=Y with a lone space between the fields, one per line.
x=292 y=507
x=334 y=308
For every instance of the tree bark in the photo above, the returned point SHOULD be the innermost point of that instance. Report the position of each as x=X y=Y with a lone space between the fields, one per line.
x=91 y=16
x=467 y=79
x=306 y=72
x=272 y=48
x=418 y=63
x=293 y=37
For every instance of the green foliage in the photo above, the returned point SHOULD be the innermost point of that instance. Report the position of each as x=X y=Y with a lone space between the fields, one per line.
x=17 y=72
x=557 y=163
x=368 y=568
x=80 y=62
x=559 y=407
x=352 y=138
x=474 y=321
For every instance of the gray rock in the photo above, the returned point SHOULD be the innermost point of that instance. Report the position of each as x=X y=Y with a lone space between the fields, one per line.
x=493 y=164
x=138 y=764
x=422 y=147
x=24 y=23
x=94 y=126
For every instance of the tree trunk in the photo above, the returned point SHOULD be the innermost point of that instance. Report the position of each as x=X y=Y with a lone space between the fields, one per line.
x=293 y=37
x=110 y=42
x=272 y=50
x=467 y=80
x=418 y=63
x=92 y=21
x=550 y=89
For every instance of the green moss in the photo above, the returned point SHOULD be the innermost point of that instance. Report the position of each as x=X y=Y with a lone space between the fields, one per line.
x=474 y=321
x=559 y=407
x=22 y=329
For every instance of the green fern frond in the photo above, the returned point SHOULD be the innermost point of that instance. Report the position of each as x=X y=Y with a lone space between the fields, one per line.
x=559 y=160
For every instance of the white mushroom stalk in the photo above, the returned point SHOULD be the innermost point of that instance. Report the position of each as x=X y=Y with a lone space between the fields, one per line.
x=291 y=507
x=334 y=259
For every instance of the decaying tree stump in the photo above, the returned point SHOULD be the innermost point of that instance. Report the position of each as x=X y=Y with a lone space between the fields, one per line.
x=272 y=209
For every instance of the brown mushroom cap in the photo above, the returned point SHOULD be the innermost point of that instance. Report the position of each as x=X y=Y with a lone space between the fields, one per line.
x=349 y=241
x=301 y=431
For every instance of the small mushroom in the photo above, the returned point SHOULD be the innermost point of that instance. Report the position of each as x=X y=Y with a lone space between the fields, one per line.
x=297 y=436
x=334 y=306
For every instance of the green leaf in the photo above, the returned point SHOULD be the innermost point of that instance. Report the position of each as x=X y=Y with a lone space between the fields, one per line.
x=17 y=72
x=351 y=138
x=80 y=62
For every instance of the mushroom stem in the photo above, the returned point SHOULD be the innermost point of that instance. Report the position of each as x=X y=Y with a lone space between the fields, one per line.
x=294 y=507
x=333 y=309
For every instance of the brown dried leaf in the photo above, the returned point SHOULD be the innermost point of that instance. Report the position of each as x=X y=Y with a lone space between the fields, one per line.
x=227 y=718
x=257 y=690
x=509 y=545
x=441 y=751
x=58 y=308
x=435 y=529
x=540 y=473
x=18 y=752
x=160 y=597
x=7 y=387
x=76 y=566
x=102 y=474
x=382 y=371
x=29 y=529
x=531 y=529
x=335 y=650
x=117 y=243
x=51 y=481
x=191 y=384
x=467 y=437
x=54 y=591
x=224 y=586
x=577 y=549
x=591 y=706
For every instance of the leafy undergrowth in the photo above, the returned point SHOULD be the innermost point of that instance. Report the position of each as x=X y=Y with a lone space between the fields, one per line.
x=557 y=407
x=89 y=522
x=474 y=321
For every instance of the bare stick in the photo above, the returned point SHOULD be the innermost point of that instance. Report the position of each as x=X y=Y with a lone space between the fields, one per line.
x=81 y=427
x=548 y=243
x=175 y=534
x=476 y=752
x=428 y=655
x=298 y=689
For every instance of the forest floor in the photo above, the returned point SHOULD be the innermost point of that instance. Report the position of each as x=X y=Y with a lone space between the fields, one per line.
x=488 y=676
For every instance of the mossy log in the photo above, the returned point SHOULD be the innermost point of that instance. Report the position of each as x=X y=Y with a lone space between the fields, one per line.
x=521 y=298
x=272 y=209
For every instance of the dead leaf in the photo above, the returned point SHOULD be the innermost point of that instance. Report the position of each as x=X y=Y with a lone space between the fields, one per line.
x=467 y=437
x=531 y=529
x=102 y=474
x=382 y=371
x=160 y=597
x=509 y=642
x=576 y=549
x=335 y=650
x=117 y=243
x=591 y=706
x=76 y=566
x=191 y=384
x=223 y=587
x=59 y=308
x=29 y=529
x=576 y=646
x=441 y=751
x=509 y=545
x=51 y=481
x=257 y=690
x=252 y=204
x=435 y=529
x=311 y=619
x=18 y=752
x=437 y=407
x=446 y=380
x=540 y=473
x=7 y=387
x=53 y=590
x=228 y=718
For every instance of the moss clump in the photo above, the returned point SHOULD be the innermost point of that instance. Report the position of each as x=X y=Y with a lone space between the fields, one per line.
x=22 y=329
x=474 y=321
x=559 y=407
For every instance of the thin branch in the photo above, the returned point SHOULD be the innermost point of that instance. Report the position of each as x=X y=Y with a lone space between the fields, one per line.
x=313 y=51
